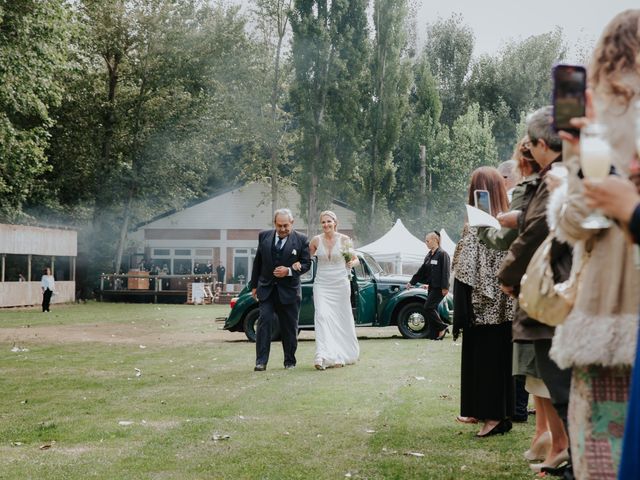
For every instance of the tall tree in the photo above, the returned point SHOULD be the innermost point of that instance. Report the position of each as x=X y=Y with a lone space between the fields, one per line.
x=472 y=145
x=33 y=48
x=448 y=49
x=423 y=142
x=272 y=125
x=515 y=80
x=324 y=35
x=389 y=89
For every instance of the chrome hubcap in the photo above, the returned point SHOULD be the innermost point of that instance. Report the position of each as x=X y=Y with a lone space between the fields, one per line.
x=416 y=322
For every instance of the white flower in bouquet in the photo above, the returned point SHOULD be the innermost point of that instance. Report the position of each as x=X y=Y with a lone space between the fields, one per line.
x=347 y=250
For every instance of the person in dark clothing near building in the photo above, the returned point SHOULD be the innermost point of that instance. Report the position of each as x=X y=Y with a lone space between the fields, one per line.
x=220 y=271
x=433 y=275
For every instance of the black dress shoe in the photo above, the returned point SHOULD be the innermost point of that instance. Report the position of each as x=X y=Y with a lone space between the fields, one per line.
x=259 y=367
x=502 y=427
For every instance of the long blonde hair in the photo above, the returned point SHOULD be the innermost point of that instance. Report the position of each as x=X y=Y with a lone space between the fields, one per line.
x=332 y=216
x=617 y=53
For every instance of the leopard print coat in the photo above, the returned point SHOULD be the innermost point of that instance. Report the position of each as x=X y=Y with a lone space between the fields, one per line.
x=476 y=265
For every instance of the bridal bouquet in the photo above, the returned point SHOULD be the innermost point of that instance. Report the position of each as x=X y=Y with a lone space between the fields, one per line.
x=347 y=251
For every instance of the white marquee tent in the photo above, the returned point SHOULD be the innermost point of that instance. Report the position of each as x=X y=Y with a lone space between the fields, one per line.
x=402 y=249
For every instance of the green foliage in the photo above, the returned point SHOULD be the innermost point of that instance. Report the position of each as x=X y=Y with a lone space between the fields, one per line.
x=448 y=49
x=33 y=47
x=517 y=80
x=472 y=145
x=390 y=82
x=329 y=58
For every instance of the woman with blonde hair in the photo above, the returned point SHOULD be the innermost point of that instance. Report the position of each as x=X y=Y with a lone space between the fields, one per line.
x=336 y=340
x=598 y=337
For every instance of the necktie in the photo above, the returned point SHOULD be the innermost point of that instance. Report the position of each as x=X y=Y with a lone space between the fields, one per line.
x=279 y=243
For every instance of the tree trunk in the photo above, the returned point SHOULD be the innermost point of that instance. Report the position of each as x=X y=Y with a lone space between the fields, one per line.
x=423 y=181
x=123 y=232
x=275 y=93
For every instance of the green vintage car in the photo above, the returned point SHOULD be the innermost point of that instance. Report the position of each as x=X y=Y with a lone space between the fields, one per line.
x=378 y=300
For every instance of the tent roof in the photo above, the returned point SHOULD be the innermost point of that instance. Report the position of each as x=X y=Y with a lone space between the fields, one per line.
x=397 y=244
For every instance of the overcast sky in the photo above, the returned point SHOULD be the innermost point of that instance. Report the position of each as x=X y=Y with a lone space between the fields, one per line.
x=496 y=21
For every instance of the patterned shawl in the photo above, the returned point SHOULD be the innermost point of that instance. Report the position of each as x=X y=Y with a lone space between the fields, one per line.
x=477 y=266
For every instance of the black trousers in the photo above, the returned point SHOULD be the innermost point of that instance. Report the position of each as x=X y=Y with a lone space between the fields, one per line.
x=436 y=325
x=287 y=315
x=522 y=398
x=46 y=300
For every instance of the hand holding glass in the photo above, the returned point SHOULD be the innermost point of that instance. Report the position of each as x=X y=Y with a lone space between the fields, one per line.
x=595 y=160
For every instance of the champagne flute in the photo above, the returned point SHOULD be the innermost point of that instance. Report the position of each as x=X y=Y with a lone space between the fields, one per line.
x=595 y=160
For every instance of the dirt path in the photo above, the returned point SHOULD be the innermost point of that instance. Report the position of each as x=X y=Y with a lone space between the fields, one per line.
x=145 y=335
x=116 y=334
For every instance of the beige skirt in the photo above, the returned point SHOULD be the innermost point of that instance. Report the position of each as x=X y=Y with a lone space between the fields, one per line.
x=535 y=386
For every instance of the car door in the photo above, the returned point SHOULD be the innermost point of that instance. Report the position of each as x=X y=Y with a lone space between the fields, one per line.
x=363 y=295
x=306 y=305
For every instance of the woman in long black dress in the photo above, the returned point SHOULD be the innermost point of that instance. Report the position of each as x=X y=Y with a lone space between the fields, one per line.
x=484 y=313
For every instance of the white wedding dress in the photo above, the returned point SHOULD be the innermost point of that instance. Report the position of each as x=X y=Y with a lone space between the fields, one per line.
x=336 y=340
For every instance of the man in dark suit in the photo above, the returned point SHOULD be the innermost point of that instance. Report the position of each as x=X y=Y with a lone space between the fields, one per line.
x=433 y=275
x=281 y=257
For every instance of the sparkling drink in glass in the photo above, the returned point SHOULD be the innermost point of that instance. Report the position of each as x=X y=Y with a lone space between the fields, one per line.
x=595 y=161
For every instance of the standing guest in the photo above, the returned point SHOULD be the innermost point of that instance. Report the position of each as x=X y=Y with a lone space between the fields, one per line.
x=48 y=284
x=598 y=339
x=545 y=146
x=336 y=339
x=484 y=314
x=220 y=271
x=526 y=376
x=281 y=257
x=209 y=268
x=618 y=198
x=433 y=276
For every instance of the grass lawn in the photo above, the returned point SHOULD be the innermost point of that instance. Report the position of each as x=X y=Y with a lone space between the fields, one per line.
x=127 y=391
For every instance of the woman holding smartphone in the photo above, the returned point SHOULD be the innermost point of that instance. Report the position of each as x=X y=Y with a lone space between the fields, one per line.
x=484 y=313
x=598 y=338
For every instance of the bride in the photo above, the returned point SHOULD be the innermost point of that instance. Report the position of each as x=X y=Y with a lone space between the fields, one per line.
x=336 y=340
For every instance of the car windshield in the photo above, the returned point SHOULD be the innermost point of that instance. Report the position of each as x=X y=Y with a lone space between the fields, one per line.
x=375 y=268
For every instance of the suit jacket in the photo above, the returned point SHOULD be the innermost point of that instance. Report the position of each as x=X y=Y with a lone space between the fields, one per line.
x=438 y=278
x=262 y=279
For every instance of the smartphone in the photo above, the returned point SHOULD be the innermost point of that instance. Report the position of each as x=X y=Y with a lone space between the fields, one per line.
x=569 y=86
x=482 y=200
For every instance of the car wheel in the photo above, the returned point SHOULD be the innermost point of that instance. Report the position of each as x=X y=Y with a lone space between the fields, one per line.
x=412 y=321
x=251 y=321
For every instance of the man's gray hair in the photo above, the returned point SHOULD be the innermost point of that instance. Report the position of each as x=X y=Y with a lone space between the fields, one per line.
x=283 y=211
x=539 y=127
x=508 y=168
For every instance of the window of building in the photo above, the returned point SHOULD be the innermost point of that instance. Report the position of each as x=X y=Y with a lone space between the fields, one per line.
x=14 y=266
